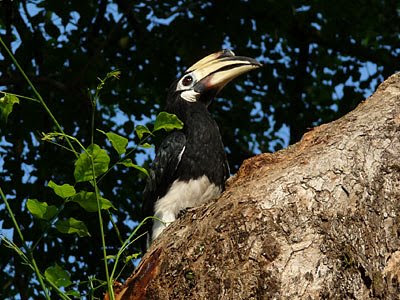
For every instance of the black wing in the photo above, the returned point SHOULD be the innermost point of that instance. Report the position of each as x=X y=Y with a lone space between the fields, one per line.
x=162 y=172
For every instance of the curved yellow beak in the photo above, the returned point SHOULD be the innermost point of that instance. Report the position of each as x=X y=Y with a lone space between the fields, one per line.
x=216 y=70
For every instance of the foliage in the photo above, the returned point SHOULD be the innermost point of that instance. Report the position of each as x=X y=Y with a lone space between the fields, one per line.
x=6 y=105
x=320 y=58
x=89 y=165
x=41 y=210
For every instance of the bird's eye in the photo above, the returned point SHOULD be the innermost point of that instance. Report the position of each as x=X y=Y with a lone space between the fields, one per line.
x=187 y=80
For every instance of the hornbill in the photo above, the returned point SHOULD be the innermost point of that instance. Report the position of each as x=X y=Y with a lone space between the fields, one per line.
x=190 y=166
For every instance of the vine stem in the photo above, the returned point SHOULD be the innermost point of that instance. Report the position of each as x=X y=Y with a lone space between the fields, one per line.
x=129 y=241
x=39 y=97
x=27 y=249
x=94 y=100
x=103 y=241
x=20 y=96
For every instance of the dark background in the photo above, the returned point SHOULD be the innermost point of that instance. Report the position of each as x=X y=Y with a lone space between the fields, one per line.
x=321 y=58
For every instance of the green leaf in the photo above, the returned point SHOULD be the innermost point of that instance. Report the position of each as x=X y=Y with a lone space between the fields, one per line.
x=141 y=130
x=167 y=121
x=132 y=256
x=87 y=200
x=118 y=142
x=58 y=276
x=41 y=210
x=128 y=163
x=111 y=256
x=71 y=226
x=64 y=191
x=83 y=166
x=146 y=145
x=6 y=106
x=73 y=293
x=115 y=73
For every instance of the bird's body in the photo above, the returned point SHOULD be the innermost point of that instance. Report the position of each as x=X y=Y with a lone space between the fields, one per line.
x=190 y=167
x=197 y=168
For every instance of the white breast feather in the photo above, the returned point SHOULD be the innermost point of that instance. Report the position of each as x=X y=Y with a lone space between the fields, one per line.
x=182 y=195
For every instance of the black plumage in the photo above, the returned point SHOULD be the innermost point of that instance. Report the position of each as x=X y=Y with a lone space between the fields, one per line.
x=190 y=165
x=204 y=153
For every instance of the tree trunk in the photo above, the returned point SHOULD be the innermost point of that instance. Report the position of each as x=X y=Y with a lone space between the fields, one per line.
x=319 y=220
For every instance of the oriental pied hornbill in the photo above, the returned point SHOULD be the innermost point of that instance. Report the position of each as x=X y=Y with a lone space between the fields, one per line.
x=190 y=166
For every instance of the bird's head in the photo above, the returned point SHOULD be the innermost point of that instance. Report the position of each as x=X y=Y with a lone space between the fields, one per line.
x=203 y=80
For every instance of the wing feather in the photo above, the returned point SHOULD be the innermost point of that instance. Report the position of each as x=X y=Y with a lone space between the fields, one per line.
x=162 y=171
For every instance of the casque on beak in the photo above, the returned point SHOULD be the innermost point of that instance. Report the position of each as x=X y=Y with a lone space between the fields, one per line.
x=214 y=71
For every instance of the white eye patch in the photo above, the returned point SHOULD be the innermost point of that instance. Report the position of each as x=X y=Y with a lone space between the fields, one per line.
x=186 y=86
x=190 y=95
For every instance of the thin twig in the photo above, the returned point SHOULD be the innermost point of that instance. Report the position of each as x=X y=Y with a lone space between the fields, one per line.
x=36 y=93
x=20 y=96
x=27 y=249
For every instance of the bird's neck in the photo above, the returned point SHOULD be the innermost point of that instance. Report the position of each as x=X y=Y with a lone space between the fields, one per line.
x=185 y=111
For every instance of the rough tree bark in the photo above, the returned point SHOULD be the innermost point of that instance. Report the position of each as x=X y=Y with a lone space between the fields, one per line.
x=319 y=220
